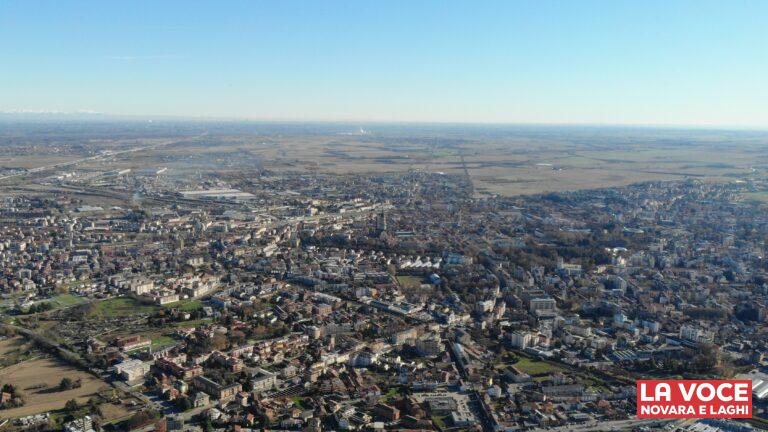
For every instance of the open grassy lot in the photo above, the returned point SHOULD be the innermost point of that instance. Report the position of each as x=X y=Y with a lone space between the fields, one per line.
x=64 y=300
x=535 y=367
x=38 y=380
x=110 y=413
x=186 y=305
x=194 y=323
x=298 y=402
x=114 y=411
x=122 y=306
x=392 y=394
x=440 y=421
x=161 y=342
x=409 y=281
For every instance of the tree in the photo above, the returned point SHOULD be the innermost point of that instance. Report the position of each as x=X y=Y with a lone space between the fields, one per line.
x=220 y=342
x=237 y=337
x=140 y=419
x=706 y=359
x=66 y=383
x=207 y=424
x=184 y=403
x=93 y=407
x=71 y=406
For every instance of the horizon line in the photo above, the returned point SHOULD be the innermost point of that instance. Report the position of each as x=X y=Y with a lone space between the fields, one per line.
x=85 y=115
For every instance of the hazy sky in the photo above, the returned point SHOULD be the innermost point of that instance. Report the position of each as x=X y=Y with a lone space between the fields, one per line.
x=539 y=61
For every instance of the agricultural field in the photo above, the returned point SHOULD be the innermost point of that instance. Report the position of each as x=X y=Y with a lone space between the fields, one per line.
x=514 y=160
x=505 y=160
x=756 y=197
x=38 y=380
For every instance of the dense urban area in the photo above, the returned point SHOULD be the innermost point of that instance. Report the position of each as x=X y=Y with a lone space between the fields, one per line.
x=142 y=300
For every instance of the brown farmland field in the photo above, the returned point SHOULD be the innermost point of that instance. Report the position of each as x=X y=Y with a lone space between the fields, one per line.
x=37 y=381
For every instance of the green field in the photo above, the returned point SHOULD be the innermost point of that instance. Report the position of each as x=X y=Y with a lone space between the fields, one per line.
x=121 y=307
x=536 y=367
x=68 y=300
x=194 y=323
x=298 y=402
x=409 y=281
x=439 y=421
x=186 y=305
x=161 y=342
x=391 y=394
x=158 y=343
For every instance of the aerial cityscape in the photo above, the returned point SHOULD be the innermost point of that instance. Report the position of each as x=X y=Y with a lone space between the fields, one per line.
x=282 y=277
x=448 y=216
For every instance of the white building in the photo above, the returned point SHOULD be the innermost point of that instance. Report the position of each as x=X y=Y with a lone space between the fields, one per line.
x=520 y=339
x=695 y=334
x=132 y=370
x=263 y=380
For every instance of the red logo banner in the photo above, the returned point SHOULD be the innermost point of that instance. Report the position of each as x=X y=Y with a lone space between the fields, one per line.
x=694 y=398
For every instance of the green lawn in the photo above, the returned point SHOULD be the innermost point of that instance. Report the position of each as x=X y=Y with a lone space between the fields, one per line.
x=409 y=281
x=158 y=343
x=536 y=367
x=194 y=323
x=391 y=395
x=298 y=402
x=186 y=305
x=161 y=342
x=68 y=299
x=439 y=421
x=121 y=307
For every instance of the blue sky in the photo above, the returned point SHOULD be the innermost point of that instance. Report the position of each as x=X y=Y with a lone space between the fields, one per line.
x=596 y=62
